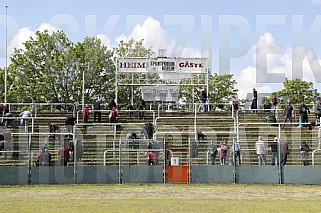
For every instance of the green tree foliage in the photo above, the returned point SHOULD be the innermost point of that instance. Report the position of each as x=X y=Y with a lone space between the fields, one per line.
x=221 y=89
x=133 y=48
x=47 y=70
x=297 y=91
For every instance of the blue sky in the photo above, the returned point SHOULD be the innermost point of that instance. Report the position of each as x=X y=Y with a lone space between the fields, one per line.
x=230 y=33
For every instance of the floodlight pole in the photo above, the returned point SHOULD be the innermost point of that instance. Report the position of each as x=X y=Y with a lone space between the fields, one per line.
x=6 y=68
x=87 y=64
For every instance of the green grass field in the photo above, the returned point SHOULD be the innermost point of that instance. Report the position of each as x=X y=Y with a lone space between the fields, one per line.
x=161 y=198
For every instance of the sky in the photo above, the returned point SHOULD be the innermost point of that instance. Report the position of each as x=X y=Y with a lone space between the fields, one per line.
x=260 y=42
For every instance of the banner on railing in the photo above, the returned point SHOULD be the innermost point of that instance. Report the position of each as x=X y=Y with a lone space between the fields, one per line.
x=160 y=93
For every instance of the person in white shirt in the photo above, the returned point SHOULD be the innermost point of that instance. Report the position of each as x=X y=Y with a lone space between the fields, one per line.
x=24 y=118
x=261 y=151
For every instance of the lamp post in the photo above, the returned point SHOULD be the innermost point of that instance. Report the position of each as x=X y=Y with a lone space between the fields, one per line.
x=87 y=64
x=6 y=68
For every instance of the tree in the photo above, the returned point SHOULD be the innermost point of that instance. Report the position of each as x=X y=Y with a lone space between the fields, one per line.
x=297 y=91
x=50 y=70
x=133 y=48
x=221 y=89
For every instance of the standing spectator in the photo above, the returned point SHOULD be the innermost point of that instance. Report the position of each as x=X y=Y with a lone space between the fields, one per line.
x=288 y=113
x=223 y=151
x=254 y=100
x=274 y=150
x=97 y=112
x=70 y=123
x=85 y=114
x=46 y=158
x=203 y=99
x=212 y=152
x=25 y=115
x=318 y=111
x=113 y=115
x=63 y=155
x=284 y=150
x=112 y=104
x=236 y=153
x=275 y=105
x=261 y=151
x=304 y=111
x=141 y=105
x=304 y=149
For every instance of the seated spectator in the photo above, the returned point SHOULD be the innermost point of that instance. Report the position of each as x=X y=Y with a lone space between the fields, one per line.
x=151 y=158
x=132 y=140
x=130 y=109
x=54 y=131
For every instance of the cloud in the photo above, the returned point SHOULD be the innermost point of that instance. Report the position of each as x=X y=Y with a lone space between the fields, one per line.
x=105 y=40
x=24 y=34
x=156 y=37
x=18 y=40
x=281 y=62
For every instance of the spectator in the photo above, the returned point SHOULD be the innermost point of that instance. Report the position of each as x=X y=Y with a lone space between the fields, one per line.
x=236 y=153
x=274 y=101
x=113 y=115
x=46 y=158
x=141 y=107
x=25 y=115
x=261 y=151
x=288 y=113
x=112 y=104
x=254 y=100
x=318 y=111
x=45 y=145
x=70 y=123
x=54 y=131
x=148 y=131
x=132 y=140
x=235 y=106
x=304 y=111
x=97 y=112
x=151 y=158
x=223 y=151
x=212 y=152
x=203 y=99
x=284 y=150
x=304 y=149
x=9 y=117
x=85 y=114
x=274 y=149
x=63 y=155
x=130 y=109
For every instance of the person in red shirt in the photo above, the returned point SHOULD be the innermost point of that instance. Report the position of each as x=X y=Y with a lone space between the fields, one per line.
x=151 y=158
x=63 y=156
x=223 y=151
x=85 y=115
